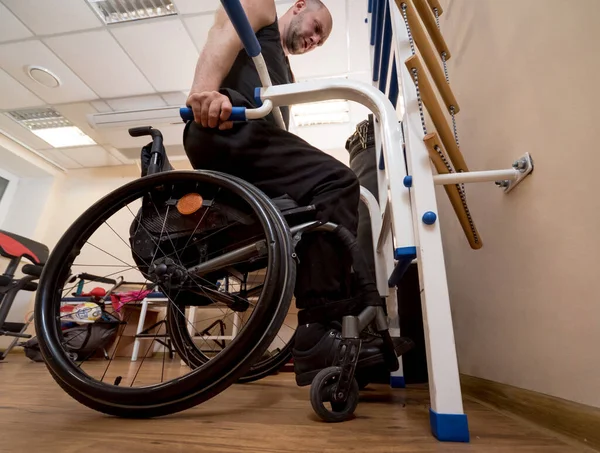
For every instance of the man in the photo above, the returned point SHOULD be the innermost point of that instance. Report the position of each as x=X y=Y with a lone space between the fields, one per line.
x=280 y=163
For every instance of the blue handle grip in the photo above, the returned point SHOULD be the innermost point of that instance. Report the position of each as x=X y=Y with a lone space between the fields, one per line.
x=237 y=114
x=240 y=22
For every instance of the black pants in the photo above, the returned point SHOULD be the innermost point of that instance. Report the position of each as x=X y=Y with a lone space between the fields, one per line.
x=279 y=163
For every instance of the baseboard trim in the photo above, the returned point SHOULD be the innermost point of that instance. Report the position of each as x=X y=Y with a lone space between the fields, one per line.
x=576 y=421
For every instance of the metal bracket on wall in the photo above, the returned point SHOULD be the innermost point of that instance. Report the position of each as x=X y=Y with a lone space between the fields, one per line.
x=524 y=165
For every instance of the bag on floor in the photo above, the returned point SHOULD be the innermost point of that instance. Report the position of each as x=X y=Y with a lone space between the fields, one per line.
x=85 y=341
x=32 y=349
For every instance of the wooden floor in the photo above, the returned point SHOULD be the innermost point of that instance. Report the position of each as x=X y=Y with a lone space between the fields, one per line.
x=272 y=415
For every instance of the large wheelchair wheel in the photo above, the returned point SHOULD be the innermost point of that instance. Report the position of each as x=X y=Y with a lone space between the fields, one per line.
x=185 y=233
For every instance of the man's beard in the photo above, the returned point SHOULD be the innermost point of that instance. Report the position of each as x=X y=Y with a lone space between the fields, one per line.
x=294 y=41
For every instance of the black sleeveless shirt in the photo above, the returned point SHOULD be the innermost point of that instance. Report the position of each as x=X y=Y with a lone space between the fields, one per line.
x=243 y=77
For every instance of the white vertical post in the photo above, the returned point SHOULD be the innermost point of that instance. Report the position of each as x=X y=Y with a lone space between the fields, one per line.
x=446 y=415
x=140 y=328
x=384 y=256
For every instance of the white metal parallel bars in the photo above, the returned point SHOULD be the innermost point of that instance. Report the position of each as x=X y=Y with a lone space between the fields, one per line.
x=444 y=383
x=388 y=133
x=388 y=126
x=383 y=246
x=383 y=242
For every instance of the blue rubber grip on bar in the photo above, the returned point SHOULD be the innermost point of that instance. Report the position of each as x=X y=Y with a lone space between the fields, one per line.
x=240 y=22
x=237 y=114
x=186 y=114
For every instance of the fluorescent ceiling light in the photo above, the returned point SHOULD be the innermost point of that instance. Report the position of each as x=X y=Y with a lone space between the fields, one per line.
x=117 y=11
x=329 y=112
x=52 y=127
x=63 y=137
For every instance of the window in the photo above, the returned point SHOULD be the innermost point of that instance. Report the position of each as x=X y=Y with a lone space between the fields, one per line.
x=3 y=186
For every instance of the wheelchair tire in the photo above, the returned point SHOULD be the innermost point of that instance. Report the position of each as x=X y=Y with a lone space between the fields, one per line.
x=269 y=366
x=201 y=383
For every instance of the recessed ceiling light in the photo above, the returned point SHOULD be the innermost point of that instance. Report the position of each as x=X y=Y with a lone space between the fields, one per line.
x=43 y=76
x=328 y=112
x=52 y=127
x=114 y=12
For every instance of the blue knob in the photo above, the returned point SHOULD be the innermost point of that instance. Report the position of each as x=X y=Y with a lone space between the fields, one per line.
x=408 y=181
x=429 y=218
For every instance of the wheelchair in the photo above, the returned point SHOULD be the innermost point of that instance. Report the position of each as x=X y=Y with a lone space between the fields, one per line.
x=208 y=241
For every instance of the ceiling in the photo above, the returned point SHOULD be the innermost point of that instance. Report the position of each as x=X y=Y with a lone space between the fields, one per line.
x=143 y=64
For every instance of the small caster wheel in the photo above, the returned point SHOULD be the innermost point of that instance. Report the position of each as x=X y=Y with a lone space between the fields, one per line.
x=321 y=391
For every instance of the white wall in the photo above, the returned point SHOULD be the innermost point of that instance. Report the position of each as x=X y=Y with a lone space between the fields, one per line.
x=28 y=205
x=526 y=307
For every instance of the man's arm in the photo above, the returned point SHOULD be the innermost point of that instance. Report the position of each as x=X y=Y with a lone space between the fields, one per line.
x=211 y=108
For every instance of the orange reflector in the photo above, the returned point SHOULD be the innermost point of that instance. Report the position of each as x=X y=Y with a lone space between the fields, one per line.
x=190 y=203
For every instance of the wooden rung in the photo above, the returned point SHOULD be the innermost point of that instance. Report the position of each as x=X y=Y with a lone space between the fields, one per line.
x=433 y=63
x=462 y=212
x=437 y=114
x=433 y=4
x=428 y=19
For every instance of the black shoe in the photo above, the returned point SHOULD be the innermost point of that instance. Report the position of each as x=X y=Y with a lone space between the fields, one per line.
x=307 y=364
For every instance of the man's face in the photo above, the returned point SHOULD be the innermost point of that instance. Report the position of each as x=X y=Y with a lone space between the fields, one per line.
x=308 y=29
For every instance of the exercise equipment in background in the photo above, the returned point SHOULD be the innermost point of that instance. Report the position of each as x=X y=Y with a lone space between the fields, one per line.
x=17 y=249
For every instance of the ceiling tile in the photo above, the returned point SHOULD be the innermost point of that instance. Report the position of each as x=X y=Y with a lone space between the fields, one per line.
x=54 y=16
x=332 y=57
x=15 y=57
x=101 y=106
x=199 y=26
x=15 y=131
x=11 y=28
x=136 y=103
x=13 y=95
x=209 y=6
x=177 y=98
x=110 y=73
x=163 y=50
x=77 y=114
x=59 y=158
x=196 y=6
x=90 y=156
x=117 y=154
